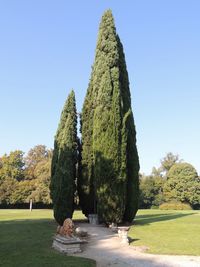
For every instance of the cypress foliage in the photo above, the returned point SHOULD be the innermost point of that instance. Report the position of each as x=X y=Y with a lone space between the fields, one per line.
x=130 y=153
x=110 y=187
x=64 y=161
x=110 y=165
x=86 y=178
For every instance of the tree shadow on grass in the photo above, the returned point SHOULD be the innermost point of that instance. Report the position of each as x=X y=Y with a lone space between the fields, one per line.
x=153 y=218
x=132 y=240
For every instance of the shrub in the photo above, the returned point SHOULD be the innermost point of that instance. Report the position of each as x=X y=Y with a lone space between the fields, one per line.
x=175 y=206
x=154 y=207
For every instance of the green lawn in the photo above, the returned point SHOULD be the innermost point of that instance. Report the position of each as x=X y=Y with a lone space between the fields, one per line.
x=167 y=232
x=26 y=239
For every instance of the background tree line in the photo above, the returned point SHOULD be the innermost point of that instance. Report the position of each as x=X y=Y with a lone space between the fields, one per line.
x=24 y=177
x=174 y=181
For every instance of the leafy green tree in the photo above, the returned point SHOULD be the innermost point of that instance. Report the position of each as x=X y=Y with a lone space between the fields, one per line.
x=12 y=165
x=11 y=172
x=183 y=184
x=110 y=165
x=63 y=172
x=37 y=171
x=151 y=191
x=8 y=186
x=22 y=178
x=41 y=192
x=34 y=157
x=22 y=191
x=151 y=187
x=168 y=161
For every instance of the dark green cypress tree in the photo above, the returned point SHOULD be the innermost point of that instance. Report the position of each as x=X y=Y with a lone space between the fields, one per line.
x=64 y=161
x=86 y=177
x=109 y=155
x=131 y=160
x=107 y=126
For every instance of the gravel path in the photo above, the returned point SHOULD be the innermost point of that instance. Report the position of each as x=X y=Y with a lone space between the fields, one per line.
x=104 y=247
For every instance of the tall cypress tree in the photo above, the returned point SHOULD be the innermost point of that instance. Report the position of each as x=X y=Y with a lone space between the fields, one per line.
x=109 y=181
x=64 y=161
x=86 y=177
x=110 y=185
x=130 y=153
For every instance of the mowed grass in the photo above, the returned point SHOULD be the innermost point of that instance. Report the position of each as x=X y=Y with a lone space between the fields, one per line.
x=26 y=240
x=26 y=237
x=167 y=232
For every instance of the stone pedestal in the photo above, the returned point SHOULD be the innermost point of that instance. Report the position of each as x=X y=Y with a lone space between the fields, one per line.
x=93 y=218
x=123 y=234
x=67 y=244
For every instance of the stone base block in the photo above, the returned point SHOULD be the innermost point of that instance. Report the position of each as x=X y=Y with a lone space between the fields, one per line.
x=67 y=245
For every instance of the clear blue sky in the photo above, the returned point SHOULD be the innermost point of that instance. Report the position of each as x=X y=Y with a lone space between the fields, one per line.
x=47 y=47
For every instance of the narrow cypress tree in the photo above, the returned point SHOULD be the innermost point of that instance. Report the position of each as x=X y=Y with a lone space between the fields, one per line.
x=110 y=162
x=64 y=161
x=86 y=177
x=107 y=126
x=130 y=153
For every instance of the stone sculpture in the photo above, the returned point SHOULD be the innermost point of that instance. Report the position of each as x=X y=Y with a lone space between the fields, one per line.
x=67 y=229
x=65 y=239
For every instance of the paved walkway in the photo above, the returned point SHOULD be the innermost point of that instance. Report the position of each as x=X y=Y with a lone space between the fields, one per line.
x=104 y=247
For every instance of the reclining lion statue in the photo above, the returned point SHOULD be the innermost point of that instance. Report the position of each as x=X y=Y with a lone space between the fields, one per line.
x=67 y=229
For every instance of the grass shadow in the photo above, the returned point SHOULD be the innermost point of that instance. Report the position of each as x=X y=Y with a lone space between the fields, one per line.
x=153 y=218
x=29 y=243
x=132 y=240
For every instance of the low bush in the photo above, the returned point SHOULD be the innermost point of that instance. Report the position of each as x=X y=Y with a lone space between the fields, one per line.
x=154 y=207
x=175 y=206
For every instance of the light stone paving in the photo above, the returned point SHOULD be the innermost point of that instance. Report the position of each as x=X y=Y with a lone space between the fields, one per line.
x=105 y=247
